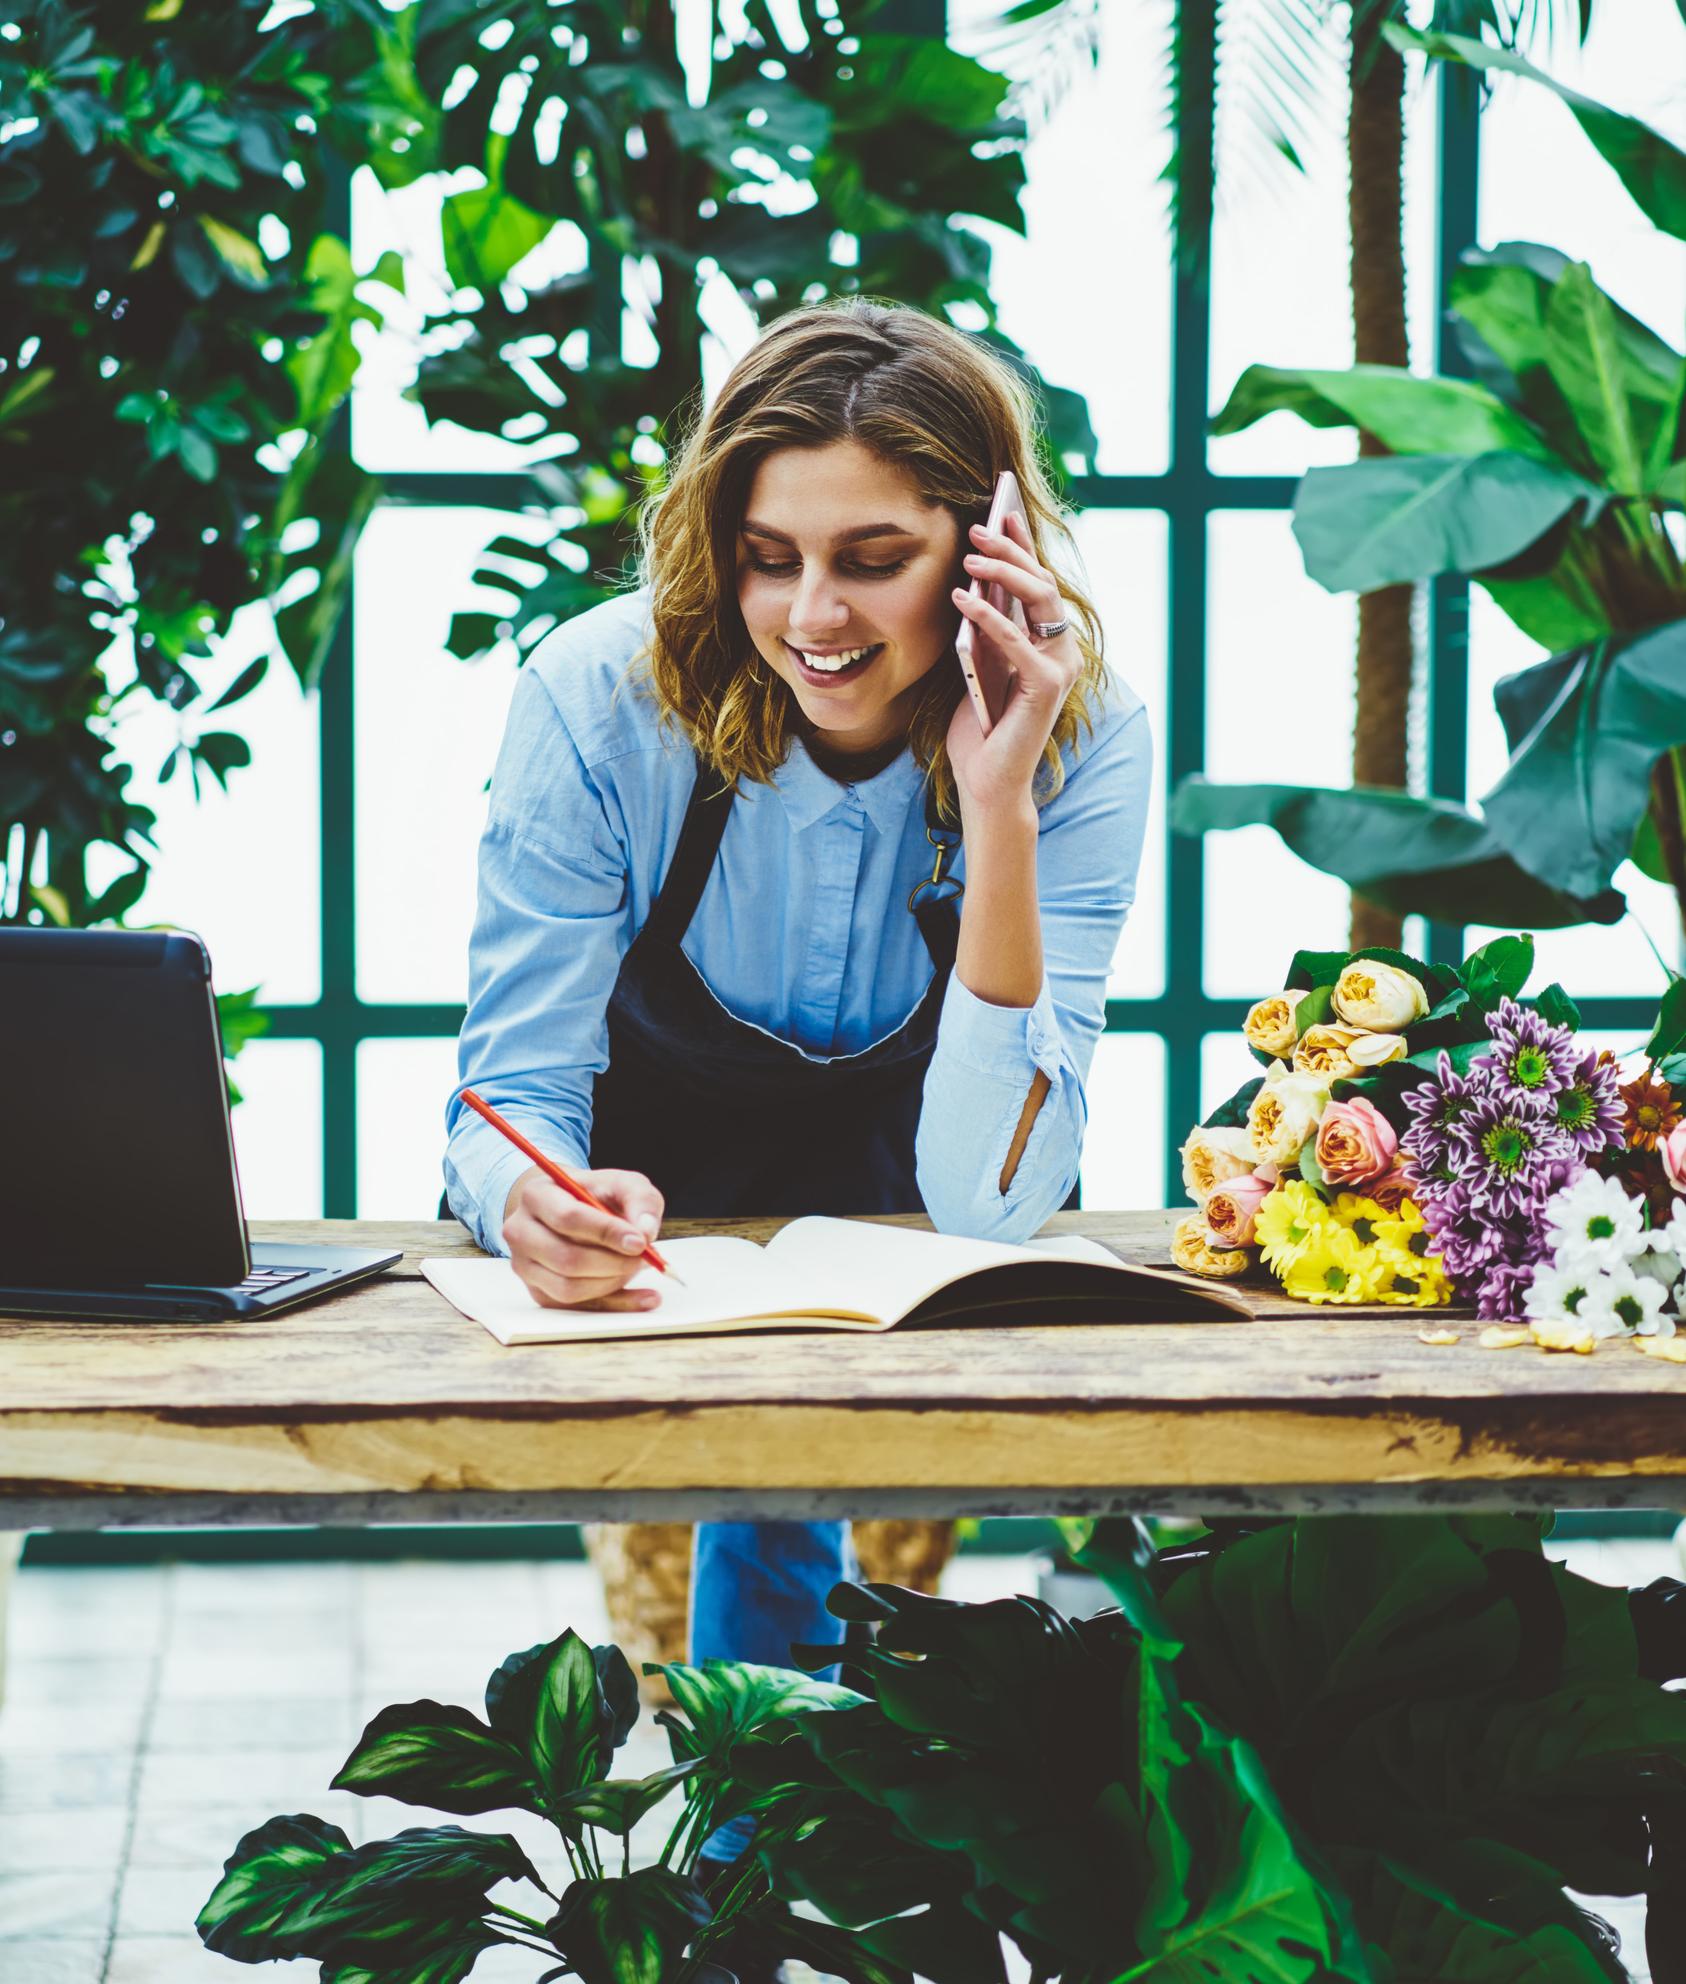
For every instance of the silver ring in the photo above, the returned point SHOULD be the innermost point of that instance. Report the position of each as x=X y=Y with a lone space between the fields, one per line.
x=1045 y=630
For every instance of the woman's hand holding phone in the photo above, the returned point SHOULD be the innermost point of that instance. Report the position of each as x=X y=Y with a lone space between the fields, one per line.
x=995 y=771
x=571 y=1256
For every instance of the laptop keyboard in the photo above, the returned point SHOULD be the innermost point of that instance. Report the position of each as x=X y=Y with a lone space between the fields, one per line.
x=261 y=1279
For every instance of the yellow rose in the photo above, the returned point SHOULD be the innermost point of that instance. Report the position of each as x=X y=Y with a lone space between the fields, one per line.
x=1270 y=1025
x=1194 y=1249
x=1210 y=1157
x=1379 y=997
x=1338 y=1053
x=1283 y=1115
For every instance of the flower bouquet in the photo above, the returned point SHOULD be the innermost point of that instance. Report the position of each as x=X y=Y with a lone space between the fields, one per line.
x=1423 y=1135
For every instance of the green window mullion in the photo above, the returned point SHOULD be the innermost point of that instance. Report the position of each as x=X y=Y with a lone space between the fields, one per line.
x=1456 y=208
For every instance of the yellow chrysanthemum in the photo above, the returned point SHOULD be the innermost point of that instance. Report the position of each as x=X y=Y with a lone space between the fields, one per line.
x=1288 y=1222
x=1418 y=1281
x=1335 y=1267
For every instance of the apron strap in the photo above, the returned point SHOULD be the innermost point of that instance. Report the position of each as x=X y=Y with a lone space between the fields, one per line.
x=937 y=916
x=699 y=842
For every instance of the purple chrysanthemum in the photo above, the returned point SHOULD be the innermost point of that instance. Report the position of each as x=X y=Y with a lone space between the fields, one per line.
x=1589 y=1110
x=1508 y=1147
x=1486 y=1150
x=1533 y=1059
x=1437 y=1109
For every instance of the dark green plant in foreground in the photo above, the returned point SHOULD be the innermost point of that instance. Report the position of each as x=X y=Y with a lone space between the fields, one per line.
x=1377 y=1749
x=1550 y=477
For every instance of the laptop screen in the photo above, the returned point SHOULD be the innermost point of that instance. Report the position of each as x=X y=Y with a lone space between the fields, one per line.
x=116 y=1162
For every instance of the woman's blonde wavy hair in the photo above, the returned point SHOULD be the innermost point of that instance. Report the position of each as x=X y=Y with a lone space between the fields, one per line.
x=922 y=396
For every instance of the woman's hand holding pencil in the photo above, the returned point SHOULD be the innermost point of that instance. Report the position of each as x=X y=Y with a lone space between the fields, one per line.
x=576 y=1238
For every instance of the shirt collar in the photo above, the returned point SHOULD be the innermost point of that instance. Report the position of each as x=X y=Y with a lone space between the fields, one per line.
x=810 y=794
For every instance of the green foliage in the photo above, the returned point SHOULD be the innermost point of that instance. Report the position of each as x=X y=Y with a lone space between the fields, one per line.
x=1460 y=1727
x=1546 y=479
x=185 y=329
x=163 y=172
x=1372 y=1749
x=892 y=140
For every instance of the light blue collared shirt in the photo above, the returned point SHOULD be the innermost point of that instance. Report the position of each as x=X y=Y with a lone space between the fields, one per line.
x=803 y=929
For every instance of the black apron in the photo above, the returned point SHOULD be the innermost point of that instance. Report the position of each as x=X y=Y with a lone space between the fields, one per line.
x=726 y=1119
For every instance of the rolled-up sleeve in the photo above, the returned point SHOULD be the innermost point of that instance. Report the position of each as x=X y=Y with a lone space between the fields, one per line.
x=1088 y=851
x=551 y=926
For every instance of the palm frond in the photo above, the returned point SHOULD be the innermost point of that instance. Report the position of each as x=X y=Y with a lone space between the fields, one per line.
x=1041 y=46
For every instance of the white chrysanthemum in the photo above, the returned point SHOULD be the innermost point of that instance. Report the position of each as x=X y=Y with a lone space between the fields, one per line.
x=1556 y=1292
x=1593 y=1223
x=1621 y=1303
x=1674 y=1234
x=1659 y=1262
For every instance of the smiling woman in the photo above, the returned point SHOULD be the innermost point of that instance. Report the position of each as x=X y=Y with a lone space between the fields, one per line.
x=715 y=970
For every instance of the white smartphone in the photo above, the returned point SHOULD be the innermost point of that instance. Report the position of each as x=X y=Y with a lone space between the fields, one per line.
x=988 y=672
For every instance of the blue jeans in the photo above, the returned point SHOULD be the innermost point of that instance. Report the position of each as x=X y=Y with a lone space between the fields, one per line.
x=756 y=1588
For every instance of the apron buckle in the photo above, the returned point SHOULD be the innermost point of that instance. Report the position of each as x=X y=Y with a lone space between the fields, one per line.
x=936 y=879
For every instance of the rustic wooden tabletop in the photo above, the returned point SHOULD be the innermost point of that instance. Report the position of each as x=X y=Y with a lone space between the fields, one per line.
x=383 y=1403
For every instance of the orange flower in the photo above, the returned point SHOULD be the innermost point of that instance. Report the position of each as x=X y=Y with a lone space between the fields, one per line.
x=1652 y=1111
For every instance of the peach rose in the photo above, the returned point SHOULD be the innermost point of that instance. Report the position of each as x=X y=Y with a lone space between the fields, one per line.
x=1338 y=1053
x=1270 y=1027
x=1194 y=1249
x=1672 y=1151
x=1391 y=1189
x=1231 y=1208
x=1355 y=1142
x=1211 y=1156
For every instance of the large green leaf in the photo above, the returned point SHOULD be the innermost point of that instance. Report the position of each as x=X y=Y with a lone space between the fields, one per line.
x=486 y=231
x=294 y=1889
x=1396 y=519
x=441 y=1757
x=445 y=1963
x=1407 y=413
x=1651 y=168
x=323 y=366
x=1504 y=295
x=567 y=1738
x=719 y=1703
x=1584 y=355
x=1569 y=805
x=258 y=1909
x=615 y=1804
x=1424 y=857
x=629 y=1928
x=1260 y=1912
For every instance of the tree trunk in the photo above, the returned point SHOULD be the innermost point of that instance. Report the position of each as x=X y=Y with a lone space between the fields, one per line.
x=1375 y=206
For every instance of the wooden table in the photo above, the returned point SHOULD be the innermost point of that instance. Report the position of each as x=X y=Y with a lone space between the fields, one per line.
x=383 y=1403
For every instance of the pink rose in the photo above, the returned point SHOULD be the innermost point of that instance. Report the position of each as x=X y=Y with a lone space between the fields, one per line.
x=1355 y=1142
x=1390 y=1188
x=1673 y=1153
x=1230 y=1209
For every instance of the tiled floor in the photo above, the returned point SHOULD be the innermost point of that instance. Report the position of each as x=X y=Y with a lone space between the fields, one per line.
x=153 y=1716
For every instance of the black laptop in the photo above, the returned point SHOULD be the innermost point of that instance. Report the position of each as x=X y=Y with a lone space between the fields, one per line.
x=119 y=1195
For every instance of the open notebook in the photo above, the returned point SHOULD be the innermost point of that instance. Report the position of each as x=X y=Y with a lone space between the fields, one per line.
x=848 y=1274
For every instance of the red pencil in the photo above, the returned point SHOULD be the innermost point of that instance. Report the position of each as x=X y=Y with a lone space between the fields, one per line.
x=552 y=1169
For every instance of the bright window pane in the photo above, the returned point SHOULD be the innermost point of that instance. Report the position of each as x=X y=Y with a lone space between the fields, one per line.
x=1279 y=710
x=428 y=728
x=241 y=867
x=401 y=1091
x=1588 y=959
x=1541 y=179
x=278 y=1129
x=1086 y=290
x=1124 y=552
x=1281 y=277
x=1123 y=1148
